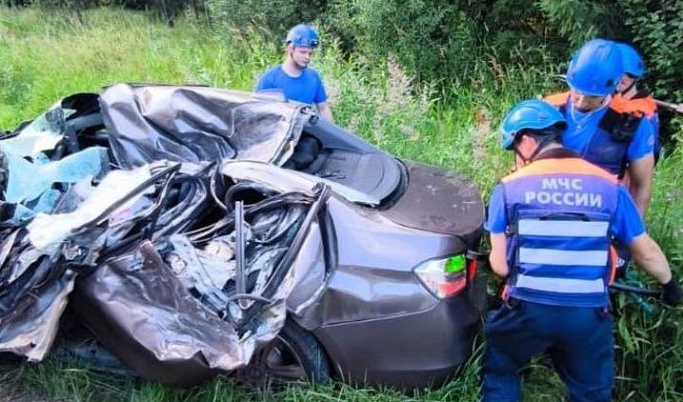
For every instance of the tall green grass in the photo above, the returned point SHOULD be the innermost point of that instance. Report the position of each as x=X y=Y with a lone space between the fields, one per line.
x=46 y=55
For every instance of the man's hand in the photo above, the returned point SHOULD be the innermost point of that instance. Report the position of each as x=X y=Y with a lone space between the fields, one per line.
x=672 y=292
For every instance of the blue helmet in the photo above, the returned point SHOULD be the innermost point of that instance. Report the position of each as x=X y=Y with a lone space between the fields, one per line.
x=303 y=35
x=633 y=62
x=532 y=114
x=596 y=68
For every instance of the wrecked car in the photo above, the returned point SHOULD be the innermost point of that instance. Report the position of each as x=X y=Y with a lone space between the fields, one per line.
x=194 y=231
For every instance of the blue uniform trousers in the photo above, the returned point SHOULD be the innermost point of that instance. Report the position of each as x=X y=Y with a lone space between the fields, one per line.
x=578 y=339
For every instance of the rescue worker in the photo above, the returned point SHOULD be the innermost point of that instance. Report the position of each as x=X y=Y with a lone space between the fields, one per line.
x=551 y=223
x=607 y=130
x=634 y=69
x=294 y=77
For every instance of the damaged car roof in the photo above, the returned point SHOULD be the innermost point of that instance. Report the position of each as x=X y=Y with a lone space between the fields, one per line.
x=193 y=124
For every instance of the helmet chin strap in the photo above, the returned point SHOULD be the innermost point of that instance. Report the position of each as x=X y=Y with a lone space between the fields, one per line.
x=541 y=145
x=628 y=88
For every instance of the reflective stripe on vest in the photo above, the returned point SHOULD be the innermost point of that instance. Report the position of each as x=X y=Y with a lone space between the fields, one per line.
x=539 y=227
x=560 y=244
x=594 y=232
x=560 y=285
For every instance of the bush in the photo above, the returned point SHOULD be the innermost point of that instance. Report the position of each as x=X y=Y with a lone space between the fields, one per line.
x=580 y=20
x=657 y=29
x=428 y=37
x=443 y=40
x=276 y=16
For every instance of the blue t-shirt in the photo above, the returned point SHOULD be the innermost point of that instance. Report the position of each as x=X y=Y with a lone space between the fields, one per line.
x=307 y=88
x=582 y=125
x=627 y=224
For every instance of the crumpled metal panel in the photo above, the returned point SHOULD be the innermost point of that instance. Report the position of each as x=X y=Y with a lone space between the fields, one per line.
x=311 y=273
x=193 y=124
x=201 y=271
x=33 y=296
x=200 y=179
x=34 y=280
x=144 y=314
x=30 y=329
x=159 y=311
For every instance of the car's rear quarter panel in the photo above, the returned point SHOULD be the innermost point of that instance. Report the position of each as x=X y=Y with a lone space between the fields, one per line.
x=377 y=322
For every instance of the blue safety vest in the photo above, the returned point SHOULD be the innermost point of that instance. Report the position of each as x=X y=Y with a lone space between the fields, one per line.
x=559 y=212
x=608 y=144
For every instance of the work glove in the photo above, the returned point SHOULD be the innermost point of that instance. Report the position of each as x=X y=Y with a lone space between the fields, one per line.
x=672 y=292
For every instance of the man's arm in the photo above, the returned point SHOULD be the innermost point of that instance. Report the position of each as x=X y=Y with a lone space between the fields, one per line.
x=628 y=228
x=640 y=173
x=649 y=256
x=496 y=223
x=320 y=99
x=325 y=111
x=498 y=258
x=641 y=159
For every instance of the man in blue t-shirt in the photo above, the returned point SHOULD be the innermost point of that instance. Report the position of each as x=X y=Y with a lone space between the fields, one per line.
x=297 y=81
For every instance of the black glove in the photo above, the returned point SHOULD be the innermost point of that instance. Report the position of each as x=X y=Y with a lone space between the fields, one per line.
x=672 y=292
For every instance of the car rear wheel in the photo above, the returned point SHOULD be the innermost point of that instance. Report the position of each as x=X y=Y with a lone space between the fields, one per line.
x=293 y=357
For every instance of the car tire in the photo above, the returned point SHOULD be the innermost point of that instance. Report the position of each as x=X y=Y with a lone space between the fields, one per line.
x=293 y=357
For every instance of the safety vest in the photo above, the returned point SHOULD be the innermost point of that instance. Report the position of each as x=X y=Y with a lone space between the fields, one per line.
x=608 y=145
x=645 y=104
x=559 y=212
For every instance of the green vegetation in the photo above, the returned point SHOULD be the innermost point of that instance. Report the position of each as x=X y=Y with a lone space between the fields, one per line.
x=45 y=55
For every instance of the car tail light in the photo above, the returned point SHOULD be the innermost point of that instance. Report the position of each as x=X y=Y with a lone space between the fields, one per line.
x=444 y=277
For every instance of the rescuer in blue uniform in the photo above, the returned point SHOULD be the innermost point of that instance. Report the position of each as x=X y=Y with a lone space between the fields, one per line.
x=551 y=223
x=294 y=77
x=604 y=129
